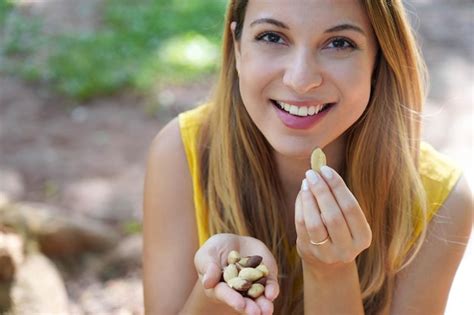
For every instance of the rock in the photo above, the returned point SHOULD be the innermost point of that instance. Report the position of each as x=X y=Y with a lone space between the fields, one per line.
x=38 y=288
x=11 y=254
x=59 y=233
x=97 y=198
x=11 y=184
x=126 y=256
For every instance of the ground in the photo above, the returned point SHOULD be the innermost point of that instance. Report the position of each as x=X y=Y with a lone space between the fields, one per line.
x=90 y=156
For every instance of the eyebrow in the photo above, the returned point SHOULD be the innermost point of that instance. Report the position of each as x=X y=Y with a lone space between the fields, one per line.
x=269 y=21
x=337 y=28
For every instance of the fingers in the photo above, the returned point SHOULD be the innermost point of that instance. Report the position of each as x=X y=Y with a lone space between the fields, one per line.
x=272 y=289
x=312 y=218
x=229 y=296
x=265 y=305
x=212 y=276
x=353 y=214
x=299 y=219
x=330 y=213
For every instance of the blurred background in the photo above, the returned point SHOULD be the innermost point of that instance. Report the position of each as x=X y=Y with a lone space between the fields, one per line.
x=85 y=86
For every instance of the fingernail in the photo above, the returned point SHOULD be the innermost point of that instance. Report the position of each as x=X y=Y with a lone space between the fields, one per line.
x=312 y=177
x=204 y=278
x=304 y=185
x=327 y=172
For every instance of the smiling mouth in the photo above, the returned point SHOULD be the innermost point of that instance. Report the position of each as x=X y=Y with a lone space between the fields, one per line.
x=302 y=111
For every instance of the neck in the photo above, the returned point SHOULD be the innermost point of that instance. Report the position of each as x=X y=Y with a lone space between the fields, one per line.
x=292 y=169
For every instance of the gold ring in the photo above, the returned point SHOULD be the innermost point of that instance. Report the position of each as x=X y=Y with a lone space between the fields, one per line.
x=324 y=241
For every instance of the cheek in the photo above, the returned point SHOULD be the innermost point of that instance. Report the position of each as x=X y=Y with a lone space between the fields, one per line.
x=256 y=71
x=353 y=80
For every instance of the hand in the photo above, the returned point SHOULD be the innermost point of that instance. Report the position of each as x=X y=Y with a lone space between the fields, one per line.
x=212 y=257
x=325 y=209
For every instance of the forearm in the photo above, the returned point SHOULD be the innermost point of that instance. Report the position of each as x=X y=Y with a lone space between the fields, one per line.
x=336 y=291
x=199 y=303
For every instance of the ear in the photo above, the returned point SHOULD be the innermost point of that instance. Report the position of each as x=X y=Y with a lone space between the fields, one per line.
x=236 y=46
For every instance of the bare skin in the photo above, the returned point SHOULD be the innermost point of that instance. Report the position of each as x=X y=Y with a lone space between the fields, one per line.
x=166 y=251
x=316 y=58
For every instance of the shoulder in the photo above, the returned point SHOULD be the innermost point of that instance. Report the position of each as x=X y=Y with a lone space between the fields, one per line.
x=439 y=176
x=169 y=225
x=455 y=214
x=417 y=291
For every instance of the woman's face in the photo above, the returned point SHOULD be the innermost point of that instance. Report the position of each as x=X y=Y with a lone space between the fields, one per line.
x=313 y=58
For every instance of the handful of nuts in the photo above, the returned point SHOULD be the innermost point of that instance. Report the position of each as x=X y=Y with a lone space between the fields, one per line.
x=247 y=275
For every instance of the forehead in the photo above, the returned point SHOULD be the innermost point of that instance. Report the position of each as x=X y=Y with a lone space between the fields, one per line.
x=309 y=14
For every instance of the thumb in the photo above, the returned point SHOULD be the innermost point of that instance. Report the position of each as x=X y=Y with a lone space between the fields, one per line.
x=212 y=276
x=208 y=269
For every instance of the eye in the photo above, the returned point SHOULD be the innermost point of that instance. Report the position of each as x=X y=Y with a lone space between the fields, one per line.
x=341 y=44
x=271 y=38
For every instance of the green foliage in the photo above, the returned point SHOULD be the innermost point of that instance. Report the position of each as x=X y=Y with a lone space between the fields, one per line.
x=5 y=7
x=132 y=227
x=138 y=44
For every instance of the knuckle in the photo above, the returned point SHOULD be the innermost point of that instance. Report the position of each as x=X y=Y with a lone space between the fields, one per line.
x=338 y=183
x=300 y=220
x=346 y=257
x=349 y=207
x=314 y=227
x=333 y=219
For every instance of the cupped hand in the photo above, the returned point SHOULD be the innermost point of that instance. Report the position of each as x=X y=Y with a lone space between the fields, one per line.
x=330 y=224
x=211 y=258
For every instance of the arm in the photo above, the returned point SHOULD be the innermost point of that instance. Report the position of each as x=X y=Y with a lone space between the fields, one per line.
x=326 y=210
x=336 y=291
x=170 y=234
x=423 y=287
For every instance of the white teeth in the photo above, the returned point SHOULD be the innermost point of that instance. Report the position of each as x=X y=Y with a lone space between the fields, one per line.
x=293 y=110
x=301 y=110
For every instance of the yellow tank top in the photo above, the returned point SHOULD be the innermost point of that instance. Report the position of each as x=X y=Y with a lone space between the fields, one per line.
x=438 y=174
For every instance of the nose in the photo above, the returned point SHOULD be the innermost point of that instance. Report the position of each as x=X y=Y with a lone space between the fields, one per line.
x=302 y=73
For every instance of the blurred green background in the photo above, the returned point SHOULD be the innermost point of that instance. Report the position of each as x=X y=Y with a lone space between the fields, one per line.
x=138 y=44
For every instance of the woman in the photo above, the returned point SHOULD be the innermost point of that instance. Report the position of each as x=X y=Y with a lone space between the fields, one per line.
x=356 y=237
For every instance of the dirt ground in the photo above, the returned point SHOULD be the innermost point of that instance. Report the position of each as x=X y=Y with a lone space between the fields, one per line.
x=90 y=156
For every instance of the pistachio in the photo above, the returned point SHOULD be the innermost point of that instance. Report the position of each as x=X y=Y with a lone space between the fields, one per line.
x=250 y=274
x=263 y=269
x=230 y=272
x=318 y=159
x=250 y=261
x=233 y=257
x=262 y=281
x=247 y=275
x=239 y=284
x=255 y=290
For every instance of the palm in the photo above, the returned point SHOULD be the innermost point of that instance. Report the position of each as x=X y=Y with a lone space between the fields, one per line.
x=212 y=257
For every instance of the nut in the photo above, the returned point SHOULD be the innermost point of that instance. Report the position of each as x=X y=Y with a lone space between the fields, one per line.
x=239 y=284
x=246 y=275
x=233 y=257
x=318 y=159
x=250 y=261
x=230 y=272
x=250 y=274
x=263 y=269
x=255 y=290
x=262 y=281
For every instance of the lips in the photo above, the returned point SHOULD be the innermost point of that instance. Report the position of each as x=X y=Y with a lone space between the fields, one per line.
x=301 y=111
x=304 y=116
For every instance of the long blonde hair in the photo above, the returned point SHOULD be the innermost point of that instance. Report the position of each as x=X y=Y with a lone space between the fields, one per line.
x=244 y=195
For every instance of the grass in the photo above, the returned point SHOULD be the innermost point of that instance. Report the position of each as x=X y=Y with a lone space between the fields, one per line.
x=138 y=45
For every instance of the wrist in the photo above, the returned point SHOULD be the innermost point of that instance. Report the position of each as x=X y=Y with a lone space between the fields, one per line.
x=320 y=270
